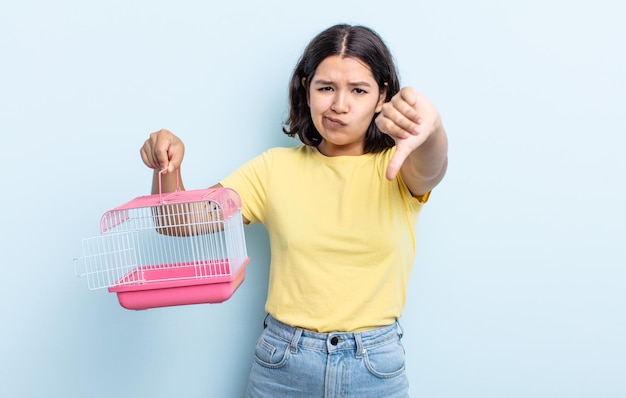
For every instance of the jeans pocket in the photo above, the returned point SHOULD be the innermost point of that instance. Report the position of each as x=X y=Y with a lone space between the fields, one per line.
x=271 y=352
x=386 y=360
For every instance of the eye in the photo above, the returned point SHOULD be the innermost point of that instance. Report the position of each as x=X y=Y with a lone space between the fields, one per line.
x=360 y=91
x=327 y=88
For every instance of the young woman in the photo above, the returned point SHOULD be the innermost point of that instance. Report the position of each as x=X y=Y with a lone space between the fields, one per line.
x=340 y=210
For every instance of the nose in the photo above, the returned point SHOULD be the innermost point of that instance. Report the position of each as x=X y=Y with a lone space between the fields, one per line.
x=339 y=105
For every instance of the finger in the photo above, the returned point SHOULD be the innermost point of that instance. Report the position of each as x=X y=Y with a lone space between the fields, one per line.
x=161 y=152
x=409 y=95
x=175 y=154
x=147 y=155
x=396 y=161
x=408 y=106
x=144 y=156
x=402 y=115
x=394 y=124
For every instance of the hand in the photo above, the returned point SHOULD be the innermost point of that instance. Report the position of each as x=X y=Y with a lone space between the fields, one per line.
x=409 y=118
x=163 y=151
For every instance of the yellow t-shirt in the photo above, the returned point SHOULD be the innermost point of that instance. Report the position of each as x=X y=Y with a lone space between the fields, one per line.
x=341 y=236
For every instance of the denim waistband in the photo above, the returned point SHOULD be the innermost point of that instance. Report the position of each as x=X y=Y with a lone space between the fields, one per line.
x=333 y=341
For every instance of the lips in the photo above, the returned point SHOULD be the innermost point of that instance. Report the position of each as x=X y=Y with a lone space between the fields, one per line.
x=335 y=122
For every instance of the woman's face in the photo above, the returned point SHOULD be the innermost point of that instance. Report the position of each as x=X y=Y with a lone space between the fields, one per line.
x=343 y=97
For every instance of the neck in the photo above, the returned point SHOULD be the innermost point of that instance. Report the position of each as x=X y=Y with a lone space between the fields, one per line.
x=331 y=150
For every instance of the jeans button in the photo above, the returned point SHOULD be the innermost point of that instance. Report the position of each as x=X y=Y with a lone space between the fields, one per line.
x=334 y=340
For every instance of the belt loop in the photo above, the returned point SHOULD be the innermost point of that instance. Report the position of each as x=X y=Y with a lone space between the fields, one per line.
x=360 y=350
x=265 y=320
x=400 y=330
x=293 y=345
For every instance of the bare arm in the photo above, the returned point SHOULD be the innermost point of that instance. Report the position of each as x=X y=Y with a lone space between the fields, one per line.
x=426 y=165
x=421 y=155
x=163 y=151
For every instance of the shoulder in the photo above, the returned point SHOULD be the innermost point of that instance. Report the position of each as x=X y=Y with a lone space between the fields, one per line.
x=381 y=160
x=386 y=154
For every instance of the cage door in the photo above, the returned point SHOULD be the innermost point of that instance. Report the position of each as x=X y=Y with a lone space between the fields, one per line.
x=111 y=260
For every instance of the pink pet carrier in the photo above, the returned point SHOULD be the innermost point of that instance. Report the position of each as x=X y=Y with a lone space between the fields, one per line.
x=184 y=247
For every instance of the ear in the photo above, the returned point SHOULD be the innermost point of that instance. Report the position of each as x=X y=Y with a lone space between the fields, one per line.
x=308 y=99
x=381 y=98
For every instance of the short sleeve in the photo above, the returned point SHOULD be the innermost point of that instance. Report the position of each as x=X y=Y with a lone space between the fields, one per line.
x=250 y=181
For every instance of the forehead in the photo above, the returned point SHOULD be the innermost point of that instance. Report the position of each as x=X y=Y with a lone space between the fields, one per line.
x=338 y=68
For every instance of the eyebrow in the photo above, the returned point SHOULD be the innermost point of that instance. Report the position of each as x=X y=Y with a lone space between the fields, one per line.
x=328 y=82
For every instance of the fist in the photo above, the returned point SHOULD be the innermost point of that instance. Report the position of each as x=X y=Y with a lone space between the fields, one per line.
x=163 y=151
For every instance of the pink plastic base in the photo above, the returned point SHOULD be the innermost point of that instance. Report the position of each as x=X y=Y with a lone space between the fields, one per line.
x=183 y=291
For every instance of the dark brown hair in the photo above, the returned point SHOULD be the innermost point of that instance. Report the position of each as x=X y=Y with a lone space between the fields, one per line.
x=346 y=41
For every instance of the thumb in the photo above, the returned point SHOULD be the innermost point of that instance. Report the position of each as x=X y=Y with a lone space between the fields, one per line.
x=176 y=154
x=172 y=157
x=396 y=161
x=174 y=161
x=163 y=157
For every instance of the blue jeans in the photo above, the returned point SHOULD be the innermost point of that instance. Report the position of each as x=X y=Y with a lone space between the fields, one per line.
x=292 y=362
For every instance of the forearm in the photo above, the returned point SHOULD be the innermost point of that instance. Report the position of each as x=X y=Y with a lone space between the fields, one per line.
x=426 y=166
x=183 y=219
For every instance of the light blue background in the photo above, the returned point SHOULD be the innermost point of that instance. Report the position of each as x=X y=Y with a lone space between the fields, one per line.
x=519 y=285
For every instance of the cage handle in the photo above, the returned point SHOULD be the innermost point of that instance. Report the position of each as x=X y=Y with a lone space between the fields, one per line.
x=160 y=187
